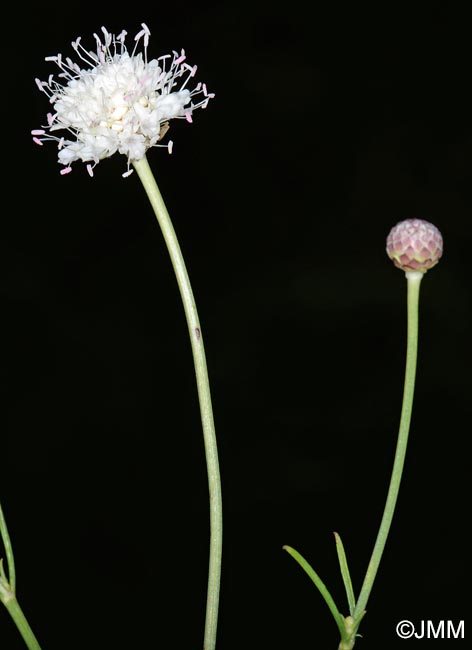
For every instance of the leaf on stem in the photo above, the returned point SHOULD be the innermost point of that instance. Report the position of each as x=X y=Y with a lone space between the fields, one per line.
x=320 y=586
x=2 y=570
x=345 y=574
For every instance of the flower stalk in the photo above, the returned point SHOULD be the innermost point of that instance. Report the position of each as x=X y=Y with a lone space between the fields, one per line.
x=203 y=386
x=415 y=246
x=122 y=102
x=413 y=292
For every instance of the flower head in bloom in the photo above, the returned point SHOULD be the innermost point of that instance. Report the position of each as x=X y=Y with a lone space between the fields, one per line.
x=117 y=102
x=415 y=245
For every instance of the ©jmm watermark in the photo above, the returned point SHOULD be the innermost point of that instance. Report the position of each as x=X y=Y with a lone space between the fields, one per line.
x=430 y=629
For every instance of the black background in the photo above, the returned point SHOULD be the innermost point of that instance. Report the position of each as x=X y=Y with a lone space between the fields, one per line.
x=328 y=127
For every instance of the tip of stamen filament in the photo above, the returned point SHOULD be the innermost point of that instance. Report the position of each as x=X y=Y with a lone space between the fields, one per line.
x=144 y=32
x=107 y=36
x=65 y=171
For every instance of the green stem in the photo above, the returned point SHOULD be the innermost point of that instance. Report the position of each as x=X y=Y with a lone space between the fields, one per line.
x=413 y=284
x=203 y=387
x=14 y=609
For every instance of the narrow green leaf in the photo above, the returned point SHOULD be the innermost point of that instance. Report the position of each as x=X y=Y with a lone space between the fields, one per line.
x=320 y=586
x=345 y=574
x=5 y=537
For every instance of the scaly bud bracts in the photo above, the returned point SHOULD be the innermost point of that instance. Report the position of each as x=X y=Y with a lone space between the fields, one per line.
x=415 y=245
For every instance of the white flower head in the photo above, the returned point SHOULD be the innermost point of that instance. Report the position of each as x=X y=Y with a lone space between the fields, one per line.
x=120 y=102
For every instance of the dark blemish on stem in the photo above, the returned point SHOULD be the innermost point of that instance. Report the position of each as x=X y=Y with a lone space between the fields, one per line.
x=197 y=333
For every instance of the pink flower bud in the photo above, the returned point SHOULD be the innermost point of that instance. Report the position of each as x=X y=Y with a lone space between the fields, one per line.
x=415 y=245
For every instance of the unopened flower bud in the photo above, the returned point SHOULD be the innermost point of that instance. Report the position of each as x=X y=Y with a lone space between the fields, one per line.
x=415 y=245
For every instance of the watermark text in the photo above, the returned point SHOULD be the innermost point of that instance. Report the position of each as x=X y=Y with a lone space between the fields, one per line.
x=426 y=629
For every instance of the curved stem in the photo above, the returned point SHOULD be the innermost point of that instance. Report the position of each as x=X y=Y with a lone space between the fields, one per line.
x=203 y=387
x=413 y=285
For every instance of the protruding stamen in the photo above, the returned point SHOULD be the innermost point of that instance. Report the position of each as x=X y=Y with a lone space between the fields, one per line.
x=107 y=37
